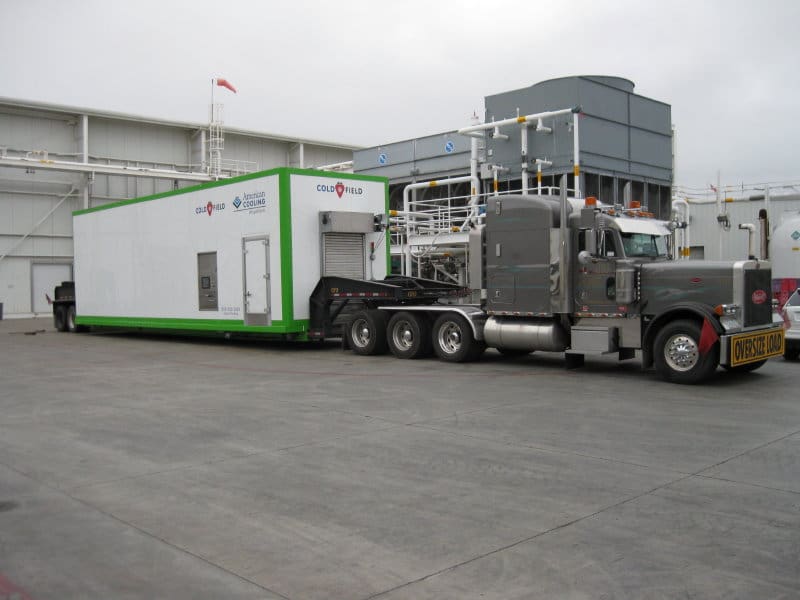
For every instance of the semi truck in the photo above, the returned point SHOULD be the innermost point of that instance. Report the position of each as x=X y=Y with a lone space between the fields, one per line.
x=309 y=260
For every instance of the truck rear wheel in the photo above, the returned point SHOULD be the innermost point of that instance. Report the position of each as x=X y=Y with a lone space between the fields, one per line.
x=677 y=355
x=366 y=332
x=453 y=340
x=409 y=335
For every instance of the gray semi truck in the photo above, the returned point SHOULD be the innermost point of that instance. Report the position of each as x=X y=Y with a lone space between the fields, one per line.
x=561 y=275
x=546 y=273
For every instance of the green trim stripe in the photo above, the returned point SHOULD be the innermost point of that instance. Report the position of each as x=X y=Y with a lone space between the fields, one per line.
x=215 y=325
x=222 y=182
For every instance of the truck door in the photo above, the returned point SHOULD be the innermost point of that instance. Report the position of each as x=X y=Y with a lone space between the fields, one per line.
x=595 y=281
x=255 y=262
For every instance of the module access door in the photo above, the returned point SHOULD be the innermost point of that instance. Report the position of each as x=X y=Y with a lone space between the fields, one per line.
x=255 y=263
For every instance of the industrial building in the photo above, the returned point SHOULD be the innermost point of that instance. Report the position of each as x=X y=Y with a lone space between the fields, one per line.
x=625 y=138
x=56 y=159
x=720 y=230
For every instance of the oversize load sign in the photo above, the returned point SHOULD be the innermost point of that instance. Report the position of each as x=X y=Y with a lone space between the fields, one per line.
x=750 y=347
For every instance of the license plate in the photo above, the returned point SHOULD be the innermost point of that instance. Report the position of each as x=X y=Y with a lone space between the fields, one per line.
x=750 y=347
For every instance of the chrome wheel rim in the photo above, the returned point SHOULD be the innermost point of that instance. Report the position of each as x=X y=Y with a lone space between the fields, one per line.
x=361 y=333
x=450 y=337
x=403 y=335
x=681 y=352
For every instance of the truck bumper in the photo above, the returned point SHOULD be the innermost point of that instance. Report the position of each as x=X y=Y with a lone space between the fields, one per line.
x=751 y=346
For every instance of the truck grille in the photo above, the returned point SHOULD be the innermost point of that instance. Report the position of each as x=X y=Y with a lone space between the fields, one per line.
x=755 y=281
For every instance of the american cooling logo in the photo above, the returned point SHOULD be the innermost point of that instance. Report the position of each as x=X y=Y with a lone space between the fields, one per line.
x=209 y=208
x=250 y=201
x=340 y=189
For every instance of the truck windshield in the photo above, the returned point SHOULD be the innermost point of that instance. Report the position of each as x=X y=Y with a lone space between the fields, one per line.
x=644 y=244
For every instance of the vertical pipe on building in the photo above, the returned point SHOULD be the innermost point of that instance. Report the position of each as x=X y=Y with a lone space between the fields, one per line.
x=576 y=169
x=539 y=177
x=302 y=155
x=85 y=157
x=473 y=164
x=524 y=143
x=767 y=228
x=719 y=213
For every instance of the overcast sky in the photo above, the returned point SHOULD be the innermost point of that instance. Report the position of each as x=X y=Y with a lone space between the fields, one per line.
x=368 y=72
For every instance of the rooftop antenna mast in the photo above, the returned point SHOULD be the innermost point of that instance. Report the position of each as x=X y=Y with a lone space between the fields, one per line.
x=216 y=134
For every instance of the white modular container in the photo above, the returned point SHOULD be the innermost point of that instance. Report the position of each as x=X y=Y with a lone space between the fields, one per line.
x=784 y=252
x=238 y=255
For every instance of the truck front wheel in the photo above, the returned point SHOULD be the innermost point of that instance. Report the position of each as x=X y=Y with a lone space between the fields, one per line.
x=366 y=332
x=677 y=356
x=453 y=340
x=409 y=335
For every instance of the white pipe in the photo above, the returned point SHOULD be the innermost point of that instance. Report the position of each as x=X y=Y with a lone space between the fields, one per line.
x=766 y=207
x=473 y=163
x=42 y=220
x=524 y=141
x=75 y=167
x=495 y=182
x=526 y=119
x=686 y=244
x=539 y=163
x=751 y=233
x=576 y=169
x=340 y=166
x=87 y=179
x=497 y=135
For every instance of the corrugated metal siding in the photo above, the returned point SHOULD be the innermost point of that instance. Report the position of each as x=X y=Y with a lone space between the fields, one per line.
x=343 y=255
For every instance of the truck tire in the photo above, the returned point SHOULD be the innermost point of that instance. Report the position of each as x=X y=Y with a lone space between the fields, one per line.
x=366 y=332
x=677 y=355
x=409 y=335
x=60 y=318
x=453 y=340
x=747 y=368
x=71 y=326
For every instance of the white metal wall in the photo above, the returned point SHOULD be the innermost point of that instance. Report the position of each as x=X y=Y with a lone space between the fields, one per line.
x=730 y=243
x=49 y=132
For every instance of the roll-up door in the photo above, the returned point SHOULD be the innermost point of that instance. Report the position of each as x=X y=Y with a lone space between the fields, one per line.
x=343 y=254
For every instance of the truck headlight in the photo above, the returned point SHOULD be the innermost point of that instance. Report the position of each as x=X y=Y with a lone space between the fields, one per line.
x=730 y=316
x=728 y=310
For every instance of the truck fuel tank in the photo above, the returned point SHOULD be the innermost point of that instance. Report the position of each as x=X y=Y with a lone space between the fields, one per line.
x=525 y=334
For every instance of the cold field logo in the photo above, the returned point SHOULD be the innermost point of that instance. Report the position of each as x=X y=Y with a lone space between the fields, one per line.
x=340 y=189
x=250 y=201
x=209 y=208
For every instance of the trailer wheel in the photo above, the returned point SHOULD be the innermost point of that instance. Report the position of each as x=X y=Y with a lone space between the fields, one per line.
x=453 y=340
x=60 y=318
x=677 y=356
x=366 y=332
x=409 y=335
x=71 y=327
